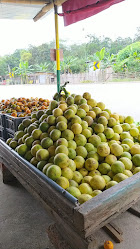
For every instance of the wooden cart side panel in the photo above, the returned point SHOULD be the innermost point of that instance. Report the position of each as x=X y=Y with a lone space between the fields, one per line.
x=84 y=219
x=29 y=188
x=73 y=238
x=100 y=210
x=7 y=176
x=54 y=199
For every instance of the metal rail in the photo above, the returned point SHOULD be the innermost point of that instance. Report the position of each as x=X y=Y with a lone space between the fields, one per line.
x=43 y=176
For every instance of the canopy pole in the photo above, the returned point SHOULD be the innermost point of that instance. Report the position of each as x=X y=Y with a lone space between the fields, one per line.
x=57 y=48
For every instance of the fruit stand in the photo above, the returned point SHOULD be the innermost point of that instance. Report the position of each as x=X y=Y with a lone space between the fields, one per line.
x=75 y=120
x=82 y=120
x=77 y=223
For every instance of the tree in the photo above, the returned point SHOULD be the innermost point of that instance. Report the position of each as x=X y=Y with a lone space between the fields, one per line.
x=39 y=57
x=128 y=58
x=23 y=70
x=43 y=67
x=25 y=56
x=67 y=63
x=3 y=67
x=109 y=60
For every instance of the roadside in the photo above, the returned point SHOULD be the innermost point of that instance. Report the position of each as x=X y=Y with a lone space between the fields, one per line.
x=122 y=97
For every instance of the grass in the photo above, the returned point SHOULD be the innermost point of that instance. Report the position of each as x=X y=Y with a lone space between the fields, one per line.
x=125 y=79
x=86 y=81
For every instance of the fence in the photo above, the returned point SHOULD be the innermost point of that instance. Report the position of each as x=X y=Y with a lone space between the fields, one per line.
x=37 y=78
x=100 y=75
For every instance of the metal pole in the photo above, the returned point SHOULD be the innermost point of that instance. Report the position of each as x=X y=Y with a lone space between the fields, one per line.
x=57 y=48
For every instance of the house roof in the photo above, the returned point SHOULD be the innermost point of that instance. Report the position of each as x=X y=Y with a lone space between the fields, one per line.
x=26 y=9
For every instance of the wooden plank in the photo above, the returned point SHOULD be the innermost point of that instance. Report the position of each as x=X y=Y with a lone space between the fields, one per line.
x=116 y=228
x=53 y=54
x=73 y=238
x=61 y=218
x=40 y=193
x=66 y=230
x=7 y=177
x=56 y=238
x=83 y=220
x=54 y=199
x=31 y=190
x=101 y=209
x=47 y=8
x=59 y=2
x=30 y=2
x=113 y=232
x=135 y=211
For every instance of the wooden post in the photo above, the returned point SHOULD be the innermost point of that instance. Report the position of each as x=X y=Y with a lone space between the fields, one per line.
x=7 y=177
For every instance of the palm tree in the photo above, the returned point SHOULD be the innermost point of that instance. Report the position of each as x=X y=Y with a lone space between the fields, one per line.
x=67 y=63
x=23 y=70
x=43 y=67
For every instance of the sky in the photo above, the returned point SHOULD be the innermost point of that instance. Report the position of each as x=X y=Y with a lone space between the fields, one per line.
x=119 y=20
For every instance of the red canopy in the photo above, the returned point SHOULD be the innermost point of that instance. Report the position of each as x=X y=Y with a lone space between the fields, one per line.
x=77 y=10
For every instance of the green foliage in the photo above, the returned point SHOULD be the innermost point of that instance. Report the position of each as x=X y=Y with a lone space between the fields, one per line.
x=100 y=54
x=125 y=79
x=43 y=67
x=86 y=81
x=3 y=67
x=25 y=56
x=79 y=65
x=109 y=60
x=23 y=70
x=77 y=58
x=128 y=58
x=67 y=63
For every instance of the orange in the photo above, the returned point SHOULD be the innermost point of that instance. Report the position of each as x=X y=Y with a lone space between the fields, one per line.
x=14 y=114
x=108 y=245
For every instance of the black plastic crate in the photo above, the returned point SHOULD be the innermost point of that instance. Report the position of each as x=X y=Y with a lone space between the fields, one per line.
x=2 y=119
x=2 y=139
x=8 y=134
x=12 y=123
x=2 y=133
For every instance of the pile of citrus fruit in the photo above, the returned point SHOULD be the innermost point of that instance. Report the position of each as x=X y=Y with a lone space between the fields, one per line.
x=23 y=106
x=80 y=144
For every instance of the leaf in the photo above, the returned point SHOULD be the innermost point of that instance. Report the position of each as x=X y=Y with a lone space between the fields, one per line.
x=98 y=54
x=135 y=53
x=102 y=53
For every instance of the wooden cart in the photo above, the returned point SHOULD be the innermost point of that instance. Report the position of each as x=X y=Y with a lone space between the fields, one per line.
x=76 y=223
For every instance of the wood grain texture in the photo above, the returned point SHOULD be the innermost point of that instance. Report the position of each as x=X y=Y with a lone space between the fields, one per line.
x=28 y=178
x=7 y=177
x=134 y=210
x=33 y=2
x=103 y=208
x=47 y=8
x=111 y=230
x=72 y=237
x=56 y=238
x=78 y=222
